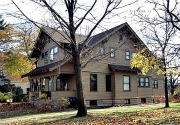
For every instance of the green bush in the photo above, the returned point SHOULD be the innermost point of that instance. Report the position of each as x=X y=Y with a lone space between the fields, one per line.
x=8 y=95
x=1 y=97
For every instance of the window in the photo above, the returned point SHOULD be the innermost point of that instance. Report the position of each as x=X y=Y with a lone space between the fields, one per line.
x=127 y=55
x=93 y=82
x=55 y=49
x=143 y=82
x=46 y=57
x=61 y=84
x=102 y=51
x=126 y=101
x=46 y=54
x=126 y=83
x=108 y=82
x=42 y=55
x=112 y=53
x=147 y=82
x=155 y=84
x=143 y=100
x=52 y=54
x=93 y=103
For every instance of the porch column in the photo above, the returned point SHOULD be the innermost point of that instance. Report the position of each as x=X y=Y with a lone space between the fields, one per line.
x=54 y=82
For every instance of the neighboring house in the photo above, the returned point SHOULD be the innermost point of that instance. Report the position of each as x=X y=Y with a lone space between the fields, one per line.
x=7 y=79
x=106 y=74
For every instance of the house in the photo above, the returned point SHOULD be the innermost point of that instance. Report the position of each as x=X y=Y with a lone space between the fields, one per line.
x=106 y=74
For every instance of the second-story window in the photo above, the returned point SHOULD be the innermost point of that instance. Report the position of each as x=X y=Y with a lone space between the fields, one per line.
x=55 y=49
x=112 y=53
x=127 y=55
x=46 y=57
x=102 y=51
x=51 y=54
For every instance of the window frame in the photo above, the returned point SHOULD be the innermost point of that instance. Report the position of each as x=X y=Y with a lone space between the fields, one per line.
x=129 y=83
x=155 y=86
x=143 y=83
x=51 y=55
x=108 y=87
x=96 y=83
x=127 y=55
x=102 y=51
x=127 y=101
x=112 y=51
x=55 y=48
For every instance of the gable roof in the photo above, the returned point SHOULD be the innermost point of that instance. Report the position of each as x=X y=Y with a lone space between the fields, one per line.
x=60 y=36
x=103 y=35
x=56 y=35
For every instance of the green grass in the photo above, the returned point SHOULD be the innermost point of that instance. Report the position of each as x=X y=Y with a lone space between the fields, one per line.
x=150 y=114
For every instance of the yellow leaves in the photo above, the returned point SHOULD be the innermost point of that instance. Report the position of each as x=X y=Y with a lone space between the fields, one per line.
x=145 y=62
x=17 y=65
x=7 y=34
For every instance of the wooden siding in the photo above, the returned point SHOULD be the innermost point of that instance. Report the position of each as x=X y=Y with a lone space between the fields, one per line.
x=57 y=57
x=119 y=92
x=101 y=87
x=67 y=68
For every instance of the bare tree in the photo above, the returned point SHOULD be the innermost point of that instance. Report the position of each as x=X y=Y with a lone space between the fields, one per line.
x=173 y=80
x=174 y=14
x=70 y=23
x=159 y=34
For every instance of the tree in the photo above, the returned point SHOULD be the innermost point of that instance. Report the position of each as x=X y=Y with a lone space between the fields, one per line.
x=173 y=80
x=3 y=25
x=26 y=35
x=173 y=13
x=71 y=23
x=17 y=64
x=159 y=33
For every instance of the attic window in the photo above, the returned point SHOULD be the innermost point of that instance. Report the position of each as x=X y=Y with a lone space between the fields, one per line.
x=120 y=37
x=102 y=51
x=112 y=53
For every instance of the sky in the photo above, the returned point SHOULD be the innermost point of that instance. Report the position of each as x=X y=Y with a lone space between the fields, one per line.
x=38 y=14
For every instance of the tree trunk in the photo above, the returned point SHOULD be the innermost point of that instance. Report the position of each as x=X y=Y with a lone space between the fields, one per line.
x=165 y=83
x=82 y=110
x=172 y=87
x=166 y=92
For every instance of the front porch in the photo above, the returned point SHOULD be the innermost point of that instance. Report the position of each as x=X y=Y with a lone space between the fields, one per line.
x=56 y=87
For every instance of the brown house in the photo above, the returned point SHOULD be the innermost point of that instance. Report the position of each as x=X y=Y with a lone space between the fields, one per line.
x=106 y=74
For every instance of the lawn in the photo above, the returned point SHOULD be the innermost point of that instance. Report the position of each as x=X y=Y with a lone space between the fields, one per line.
x=126 y=115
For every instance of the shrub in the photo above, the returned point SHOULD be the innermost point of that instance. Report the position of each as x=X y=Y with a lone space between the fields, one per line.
x=175 y=98
x=61 y=104
x=159 y=98
x=43 y=96
x=2 y=97
x=4 y=107
x=43 y=105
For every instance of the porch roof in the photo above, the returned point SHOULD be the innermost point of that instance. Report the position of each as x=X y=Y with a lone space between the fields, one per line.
x=123 y=68
x=41 y=69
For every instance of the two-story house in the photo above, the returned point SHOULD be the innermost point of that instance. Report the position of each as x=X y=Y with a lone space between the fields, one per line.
x=106 y=74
